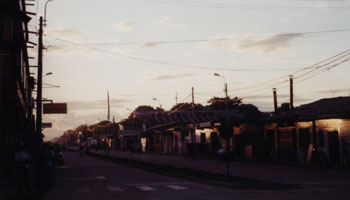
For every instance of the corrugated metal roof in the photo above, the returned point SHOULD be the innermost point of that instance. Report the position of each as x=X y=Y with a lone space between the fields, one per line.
x=338 y=107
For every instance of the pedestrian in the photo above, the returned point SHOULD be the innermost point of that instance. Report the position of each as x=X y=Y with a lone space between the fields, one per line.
x=189 y=151
x=81 y=151
x=64 y=148
x=48 y=166
x=222 y=154
x=345 y=153
x=22 y=160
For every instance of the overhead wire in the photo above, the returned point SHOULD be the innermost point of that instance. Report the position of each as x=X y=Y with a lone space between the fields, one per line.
x=294 y=73
x=302 y=80
x=314 y=69
x=246 y=7
x=213 y=39
x=320 y=70
x=169 y=63
x=183 y=104
x=251 y=6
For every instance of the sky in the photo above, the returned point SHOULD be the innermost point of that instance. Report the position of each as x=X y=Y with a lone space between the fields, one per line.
x=139 y=50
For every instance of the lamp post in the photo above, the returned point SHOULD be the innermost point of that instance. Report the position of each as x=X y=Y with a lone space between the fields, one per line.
x=48 y=74
x=155 y=99
x=226 y=128
x=45 y=11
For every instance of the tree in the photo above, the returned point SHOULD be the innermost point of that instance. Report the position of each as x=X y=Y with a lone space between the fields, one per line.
x=186 y=106
x=218 y=103
x=145 y=108
x=226 y=130
x=284 y=108
x=250 y=110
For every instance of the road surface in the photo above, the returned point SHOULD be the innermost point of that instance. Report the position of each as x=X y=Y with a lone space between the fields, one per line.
x=89 y=178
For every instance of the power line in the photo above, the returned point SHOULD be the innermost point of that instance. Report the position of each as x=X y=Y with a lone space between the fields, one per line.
x=246 y=7
x=250 y=6
x=266 y=84
x=207 y=40
x=173 y=64
x=320 y=69
x=314 y=66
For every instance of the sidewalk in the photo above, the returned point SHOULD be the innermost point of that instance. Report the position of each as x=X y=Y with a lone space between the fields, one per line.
x=9 y=184
x=259 y=171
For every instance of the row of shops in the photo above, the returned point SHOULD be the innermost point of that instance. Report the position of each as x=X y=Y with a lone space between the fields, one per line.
x=319 y=131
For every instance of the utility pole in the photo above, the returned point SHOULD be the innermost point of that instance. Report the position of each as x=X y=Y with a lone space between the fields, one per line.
x=193 y=131
x=176 y=99
x=40 y=83
x=108 y=106
x=291 y=106
x=227 y=129
x=274 y=90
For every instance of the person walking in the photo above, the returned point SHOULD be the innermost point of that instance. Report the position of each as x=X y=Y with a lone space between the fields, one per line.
x=48 y=167
x=345 y=153
x=81 y=151
x=22 y=160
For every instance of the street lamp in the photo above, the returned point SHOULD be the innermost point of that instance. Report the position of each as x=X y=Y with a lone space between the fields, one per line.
x=48 y=74
x=225 y=85
x=226 y=128
x=50 y=85
x=45 y=11
x=155 y=99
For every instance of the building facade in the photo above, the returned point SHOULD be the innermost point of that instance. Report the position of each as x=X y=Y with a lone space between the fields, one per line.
x=16 y=84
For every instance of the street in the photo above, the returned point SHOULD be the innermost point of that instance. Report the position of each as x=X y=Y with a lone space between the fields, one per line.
x=89 y=178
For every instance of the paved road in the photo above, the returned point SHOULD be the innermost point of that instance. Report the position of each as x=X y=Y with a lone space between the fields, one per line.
x=90 y=179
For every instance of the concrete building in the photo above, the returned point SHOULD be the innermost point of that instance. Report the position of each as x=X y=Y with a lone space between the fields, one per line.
x=16 y=84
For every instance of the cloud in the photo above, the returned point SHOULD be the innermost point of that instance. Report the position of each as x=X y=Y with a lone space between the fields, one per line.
x=335 y=91
x=280 y=59
x=265 y=97
x=165 y=20
x=72 y=35
x=235 y=83
x=57 y=49
x=82 y=112
x=268 y=43
x=149 y=44
x=72 y=120
x=284 y=20
x=64 y=33
x=166 y=77
x=280 y=98
x=60 y=41
x=124 y=26
x=95 y=104
x=212 y=44
x=126 y=51
x=321 y=6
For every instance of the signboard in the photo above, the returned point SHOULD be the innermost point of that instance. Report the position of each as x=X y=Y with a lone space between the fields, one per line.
x=204 y=124
x=55 y=108
x=46 y=125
